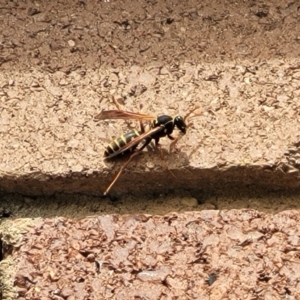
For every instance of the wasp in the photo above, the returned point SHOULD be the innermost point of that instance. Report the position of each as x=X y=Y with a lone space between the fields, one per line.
x=134 y=141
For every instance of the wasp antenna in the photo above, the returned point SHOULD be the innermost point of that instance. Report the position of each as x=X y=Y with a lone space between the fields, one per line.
x=188 y=115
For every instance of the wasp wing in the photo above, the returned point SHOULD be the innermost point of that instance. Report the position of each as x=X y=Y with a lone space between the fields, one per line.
x=122 y=114
x=135 y=142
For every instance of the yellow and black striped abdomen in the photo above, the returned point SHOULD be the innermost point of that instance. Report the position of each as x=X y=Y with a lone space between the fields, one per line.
x=120 y=142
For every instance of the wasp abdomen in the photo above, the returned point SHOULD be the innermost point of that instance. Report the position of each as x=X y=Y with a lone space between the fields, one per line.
x=120 y=142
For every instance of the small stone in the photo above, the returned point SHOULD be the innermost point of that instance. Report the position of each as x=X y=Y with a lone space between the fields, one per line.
x=296 y=75
x=63 y=82
x=71 y=43
x=189 y=202
x=35 y=84
x=28 y=200
x=207 y=206
x=247 y=80
x=150 y=165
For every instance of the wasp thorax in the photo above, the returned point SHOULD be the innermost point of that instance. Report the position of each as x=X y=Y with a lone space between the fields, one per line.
x=165 y=121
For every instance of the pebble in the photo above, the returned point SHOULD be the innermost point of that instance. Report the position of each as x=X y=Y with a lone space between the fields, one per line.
x=189 y=202
x=28 y=200
x=71 y=43
x=296 y=75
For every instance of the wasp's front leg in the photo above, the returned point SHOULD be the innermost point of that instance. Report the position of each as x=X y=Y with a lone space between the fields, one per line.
x=173 y=144
x=159 y=148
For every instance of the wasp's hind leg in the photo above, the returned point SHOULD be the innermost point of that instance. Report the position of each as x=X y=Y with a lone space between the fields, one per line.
x=120 y=172
x=126 y=164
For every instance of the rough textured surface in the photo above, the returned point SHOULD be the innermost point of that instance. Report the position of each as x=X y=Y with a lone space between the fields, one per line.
x=233 y=254
x=15 y=206
x=60 y=63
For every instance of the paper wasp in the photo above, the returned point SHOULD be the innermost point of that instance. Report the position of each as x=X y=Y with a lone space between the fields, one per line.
x=135 y=141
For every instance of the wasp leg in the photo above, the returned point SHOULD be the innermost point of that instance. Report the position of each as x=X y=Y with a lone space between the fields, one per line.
x=124 y=166
x=116 y=102
x=173 y=144
x=120 y=172
x=142 y=126
x=119 y=107
x=163 y=159
x=158 y=146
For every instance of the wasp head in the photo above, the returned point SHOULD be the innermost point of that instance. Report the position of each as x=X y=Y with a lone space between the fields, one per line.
x=180 y=124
